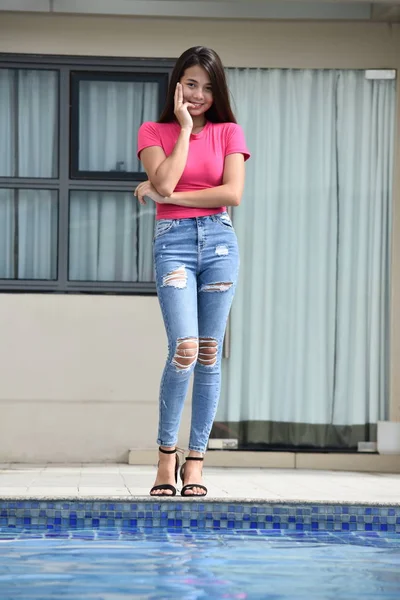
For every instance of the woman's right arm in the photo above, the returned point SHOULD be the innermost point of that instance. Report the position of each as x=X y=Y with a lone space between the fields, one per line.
x=165 y=172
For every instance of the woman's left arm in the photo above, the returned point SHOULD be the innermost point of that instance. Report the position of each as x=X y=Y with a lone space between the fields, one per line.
x=227 y=194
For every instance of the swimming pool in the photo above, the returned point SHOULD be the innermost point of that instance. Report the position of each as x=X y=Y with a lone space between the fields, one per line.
x=162 y=564
x=103 y=550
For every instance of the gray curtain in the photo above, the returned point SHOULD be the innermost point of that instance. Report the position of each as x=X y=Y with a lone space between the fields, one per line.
x=310 y=321
x=28 y=148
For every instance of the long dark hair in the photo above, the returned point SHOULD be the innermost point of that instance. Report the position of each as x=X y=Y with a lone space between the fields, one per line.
x=220 y=111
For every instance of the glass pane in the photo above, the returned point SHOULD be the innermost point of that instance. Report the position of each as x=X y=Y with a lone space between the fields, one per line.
x=110 y=237
x=28 y=123
x=110 y=114
x=28 y=234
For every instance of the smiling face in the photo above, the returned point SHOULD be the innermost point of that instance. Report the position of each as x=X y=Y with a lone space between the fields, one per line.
x=197 y=90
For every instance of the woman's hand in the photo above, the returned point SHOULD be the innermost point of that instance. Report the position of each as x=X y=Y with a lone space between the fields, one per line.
x=181 y=109
x=147 y=189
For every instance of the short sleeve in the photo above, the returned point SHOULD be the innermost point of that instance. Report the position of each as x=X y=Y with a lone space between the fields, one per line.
x=148 y=135
x=236 y=142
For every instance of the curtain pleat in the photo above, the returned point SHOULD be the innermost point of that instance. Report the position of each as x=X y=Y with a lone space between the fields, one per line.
x=309 y=323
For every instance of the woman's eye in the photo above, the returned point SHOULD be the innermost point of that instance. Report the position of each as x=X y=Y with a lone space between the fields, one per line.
x=190 y=84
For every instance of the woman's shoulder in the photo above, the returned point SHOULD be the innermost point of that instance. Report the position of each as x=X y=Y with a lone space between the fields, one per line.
x=231 y=137
x=226 y=127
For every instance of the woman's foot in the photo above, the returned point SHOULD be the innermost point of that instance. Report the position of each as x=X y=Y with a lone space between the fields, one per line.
x=166 y=473
x=192 y=475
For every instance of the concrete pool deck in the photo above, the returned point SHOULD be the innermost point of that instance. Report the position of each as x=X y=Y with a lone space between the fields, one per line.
x=89 y=481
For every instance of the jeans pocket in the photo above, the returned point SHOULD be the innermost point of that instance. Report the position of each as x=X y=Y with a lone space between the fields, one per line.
x=224 y=220
x=162 y=226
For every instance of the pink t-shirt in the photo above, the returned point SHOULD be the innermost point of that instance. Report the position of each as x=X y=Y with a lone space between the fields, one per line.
x=205 y=163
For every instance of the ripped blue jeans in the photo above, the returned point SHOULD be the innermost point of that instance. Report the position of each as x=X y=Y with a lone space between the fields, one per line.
x=196 y=263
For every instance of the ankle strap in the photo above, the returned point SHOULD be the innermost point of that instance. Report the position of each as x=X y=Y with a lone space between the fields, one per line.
x=195 y=458
x=167 y=451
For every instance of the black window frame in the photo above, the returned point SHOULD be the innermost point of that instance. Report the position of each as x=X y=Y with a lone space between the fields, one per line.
x=75 y=79
x=158 y=69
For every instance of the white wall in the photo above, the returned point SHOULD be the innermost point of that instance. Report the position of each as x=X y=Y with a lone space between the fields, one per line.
x=79 y=374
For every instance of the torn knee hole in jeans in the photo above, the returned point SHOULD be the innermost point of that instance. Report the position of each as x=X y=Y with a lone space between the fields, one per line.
x=223 y=286
x=208 y=352
x=176 y=278
x=185 y=353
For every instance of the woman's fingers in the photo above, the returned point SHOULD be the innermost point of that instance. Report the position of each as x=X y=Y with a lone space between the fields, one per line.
x=141 y=200
x=180 y=93
x=139 y=193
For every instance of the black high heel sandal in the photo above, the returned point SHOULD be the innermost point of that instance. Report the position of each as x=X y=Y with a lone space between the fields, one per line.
x=191 y=486
x=167 y=486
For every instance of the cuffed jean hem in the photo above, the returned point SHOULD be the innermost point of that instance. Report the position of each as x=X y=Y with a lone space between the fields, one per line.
x=198 y=449
x=167 y=444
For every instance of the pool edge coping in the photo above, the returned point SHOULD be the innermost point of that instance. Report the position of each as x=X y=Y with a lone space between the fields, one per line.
x=205 y=500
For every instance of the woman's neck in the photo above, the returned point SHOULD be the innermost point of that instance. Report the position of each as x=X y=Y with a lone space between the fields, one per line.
x=199 y=122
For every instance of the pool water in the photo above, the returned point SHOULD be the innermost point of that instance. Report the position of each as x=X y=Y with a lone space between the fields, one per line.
x=161 y=564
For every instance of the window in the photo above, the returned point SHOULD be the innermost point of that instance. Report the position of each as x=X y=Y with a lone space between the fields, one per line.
x=110 y=237
x=28 y=234
x=68 y=166
x=28 y=123
x=120 y=104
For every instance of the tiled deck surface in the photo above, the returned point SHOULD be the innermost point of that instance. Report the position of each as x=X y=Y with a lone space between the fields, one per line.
x=126 y=481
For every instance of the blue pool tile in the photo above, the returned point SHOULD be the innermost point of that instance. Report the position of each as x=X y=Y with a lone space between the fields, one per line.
x=251 y=516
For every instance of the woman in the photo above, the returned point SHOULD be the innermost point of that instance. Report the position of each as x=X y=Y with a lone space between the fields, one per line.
x=194 y=159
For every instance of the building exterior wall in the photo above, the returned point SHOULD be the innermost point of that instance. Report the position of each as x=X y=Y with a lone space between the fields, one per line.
x=80 y=373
